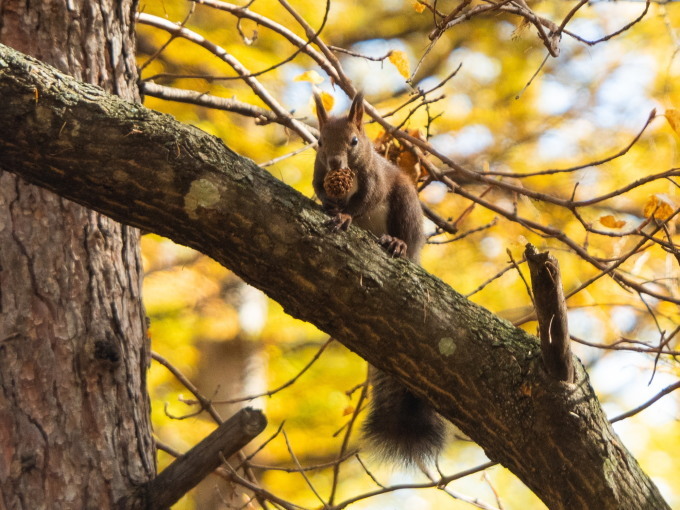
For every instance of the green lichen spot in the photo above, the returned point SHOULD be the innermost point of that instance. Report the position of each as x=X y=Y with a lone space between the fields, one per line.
x=447 y=346
x=202 y=193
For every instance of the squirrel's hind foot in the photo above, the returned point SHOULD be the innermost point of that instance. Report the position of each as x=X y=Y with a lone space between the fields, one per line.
x=394 y=246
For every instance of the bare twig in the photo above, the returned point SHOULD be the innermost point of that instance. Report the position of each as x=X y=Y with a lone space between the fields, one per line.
x=512 y=265
x=442 y=482
x=652 y=115
x=301 y=49
x=167 y=43
x=286 y=156
x=263 y=493
x=642 y=407
x=283 y=386
x=626 y=344
x=302 y=471
x=205 y=403
x=262 y=115
x=613 y=34
x=242 y=72
x=345 y=441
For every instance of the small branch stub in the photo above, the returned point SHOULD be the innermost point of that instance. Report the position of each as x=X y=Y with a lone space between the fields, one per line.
x=192 y=467
x=551 y=311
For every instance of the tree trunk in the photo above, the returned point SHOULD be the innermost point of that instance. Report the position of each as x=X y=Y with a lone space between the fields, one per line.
x=74 y=412
x=479 y=371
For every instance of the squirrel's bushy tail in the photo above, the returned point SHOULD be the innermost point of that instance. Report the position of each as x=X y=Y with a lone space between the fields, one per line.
x=401 y=427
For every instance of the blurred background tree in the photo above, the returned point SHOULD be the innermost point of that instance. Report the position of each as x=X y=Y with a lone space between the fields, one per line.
x=554 y=112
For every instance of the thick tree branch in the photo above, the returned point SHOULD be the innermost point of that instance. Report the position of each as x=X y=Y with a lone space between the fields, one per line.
x=188 y=470
x=147 y=170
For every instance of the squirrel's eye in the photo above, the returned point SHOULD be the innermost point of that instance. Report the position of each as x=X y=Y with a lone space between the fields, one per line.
x=354 y=141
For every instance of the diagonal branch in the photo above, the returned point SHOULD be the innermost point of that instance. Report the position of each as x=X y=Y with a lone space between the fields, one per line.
x=477 y=370
x=189 y=469
x=253 y=83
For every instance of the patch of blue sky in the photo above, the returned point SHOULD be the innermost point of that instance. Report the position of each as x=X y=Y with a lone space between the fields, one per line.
x=556 y=144
x=297 y=94
x=369 y=76
x=478 y=66
x=587 y=28
x=555 y=98
x=623 y=99
x=625 y=376
x=458 y=105
x=376 y=77
x=470 y=140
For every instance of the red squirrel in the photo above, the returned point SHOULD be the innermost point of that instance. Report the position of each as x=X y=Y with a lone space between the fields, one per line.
x=382 y=199
x=357 y=185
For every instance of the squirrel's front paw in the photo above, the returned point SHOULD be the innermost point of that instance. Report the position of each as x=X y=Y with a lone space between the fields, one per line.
x=394 y=246
x=340 y=221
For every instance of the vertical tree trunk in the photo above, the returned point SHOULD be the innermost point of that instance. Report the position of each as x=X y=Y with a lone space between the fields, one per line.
x=74 y=412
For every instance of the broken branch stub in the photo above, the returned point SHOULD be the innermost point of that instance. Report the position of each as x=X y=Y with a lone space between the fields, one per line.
x=551 y=311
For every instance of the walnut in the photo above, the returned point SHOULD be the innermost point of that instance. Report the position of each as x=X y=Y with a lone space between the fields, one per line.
x=338 y=183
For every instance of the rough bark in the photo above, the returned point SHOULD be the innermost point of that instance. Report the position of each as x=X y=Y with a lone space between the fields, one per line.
x=479 y=371
x=74 y=413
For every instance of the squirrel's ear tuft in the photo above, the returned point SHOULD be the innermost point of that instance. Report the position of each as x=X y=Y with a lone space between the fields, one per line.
x=321 y=113
x=356 y=111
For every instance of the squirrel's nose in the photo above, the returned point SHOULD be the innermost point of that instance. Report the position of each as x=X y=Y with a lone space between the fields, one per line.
x=335 y=163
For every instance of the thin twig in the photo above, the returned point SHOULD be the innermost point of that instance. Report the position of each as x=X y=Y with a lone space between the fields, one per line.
x=283 y=386
x=443 y=482
x=652 y=115
x=301 y=49
x=221 y=53
x=642 y=407
x=302 y=471
x=167 y=43
x=345 y=442
x=205 y=403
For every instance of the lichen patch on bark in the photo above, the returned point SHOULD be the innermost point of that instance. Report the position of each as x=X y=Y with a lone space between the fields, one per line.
x=447 y=346
x=202 y=193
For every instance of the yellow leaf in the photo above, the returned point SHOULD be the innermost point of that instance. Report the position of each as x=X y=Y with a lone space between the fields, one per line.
x=400 y=61
x=327 y=100
x=673 y=118
x=650 y=206
x=310 y=76
x=611 y=222
x=661 y=209
x=418 y=7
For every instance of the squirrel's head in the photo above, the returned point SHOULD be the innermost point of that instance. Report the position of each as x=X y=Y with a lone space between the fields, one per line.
x=343 y=142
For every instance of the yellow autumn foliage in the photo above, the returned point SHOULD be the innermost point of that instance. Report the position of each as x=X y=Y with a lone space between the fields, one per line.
x=558 y=128
x=400 y=61
x=611 y=222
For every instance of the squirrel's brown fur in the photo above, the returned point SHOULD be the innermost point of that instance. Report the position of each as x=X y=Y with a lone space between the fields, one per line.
x=381 y=199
